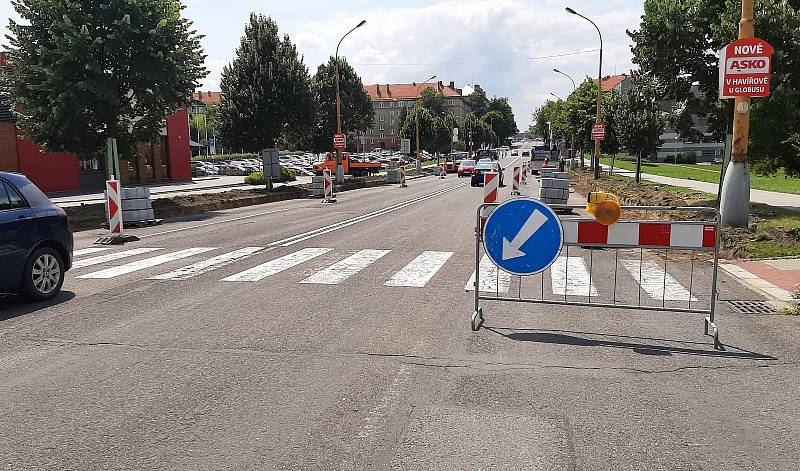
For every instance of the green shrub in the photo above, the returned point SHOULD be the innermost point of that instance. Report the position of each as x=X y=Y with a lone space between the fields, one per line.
x=687 y=158
x=257 y=178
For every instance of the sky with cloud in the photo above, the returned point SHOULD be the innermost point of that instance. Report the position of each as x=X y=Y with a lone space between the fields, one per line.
x=506 y=46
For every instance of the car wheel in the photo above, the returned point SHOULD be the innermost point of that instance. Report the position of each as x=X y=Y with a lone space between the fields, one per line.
x=44 y=274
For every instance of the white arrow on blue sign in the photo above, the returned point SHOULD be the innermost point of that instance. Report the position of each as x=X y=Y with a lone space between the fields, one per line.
x=523 y=236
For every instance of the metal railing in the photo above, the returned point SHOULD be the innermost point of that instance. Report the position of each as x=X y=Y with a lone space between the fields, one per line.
x=653 y=263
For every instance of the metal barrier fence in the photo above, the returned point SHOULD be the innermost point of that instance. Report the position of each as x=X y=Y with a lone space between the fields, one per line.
x=649 y=246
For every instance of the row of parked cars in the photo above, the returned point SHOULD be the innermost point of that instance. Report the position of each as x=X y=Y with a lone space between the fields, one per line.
x=245 y=166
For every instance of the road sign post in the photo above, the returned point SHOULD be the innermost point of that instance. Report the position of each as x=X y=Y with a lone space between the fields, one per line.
x=271 y=166
x=405 y=146
x=523 y=236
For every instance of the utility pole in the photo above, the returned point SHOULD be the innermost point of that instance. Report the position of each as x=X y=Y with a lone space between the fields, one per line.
x=339 y=167
x=734 y=203
x=599 y=120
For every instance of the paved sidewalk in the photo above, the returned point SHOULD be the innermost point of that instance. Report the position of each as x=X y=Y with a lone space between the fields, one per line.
x=777 y=279
x=772 y=198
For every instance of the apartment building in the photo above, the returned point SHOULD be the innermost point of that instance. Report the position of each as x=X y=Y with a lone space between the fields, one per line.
x=389 y=100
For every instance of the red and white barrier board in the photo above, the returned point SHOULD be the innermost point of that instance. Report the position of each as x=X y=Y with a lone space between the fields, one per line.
x=114 y=206
x=675 y=235
x=516 y=181
x=403 y=177
x=491 y=181
x=327 y=184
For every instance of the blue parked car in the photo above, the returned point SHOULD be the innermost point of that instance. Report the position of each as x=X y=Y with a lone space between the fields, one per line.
x=35 y=240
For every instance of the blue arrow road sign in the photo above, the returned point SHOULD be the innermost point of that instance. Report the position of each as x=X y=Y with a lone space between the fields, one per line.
x=523 y=236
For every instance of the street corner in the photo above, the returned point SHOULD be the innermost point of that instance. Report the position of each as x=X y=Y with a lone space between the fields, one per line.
x=777 y=280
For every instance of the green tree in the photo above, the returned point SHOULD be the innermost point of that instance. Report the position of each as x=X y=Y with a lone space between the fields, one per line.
x=429 y=128
x=506 y=126
x=266 y=90
x=676 y=43
x=357 y=112
x=611 y=103
x=639 y=119
x=83 y=72
x=477 y=102
x=581 y=113
x=548 y=112
x=431 y=99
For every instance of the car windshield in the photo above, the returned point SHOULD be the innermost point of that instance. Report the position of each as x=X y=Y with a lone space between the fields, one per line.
x=485 y=166
x=467 y=163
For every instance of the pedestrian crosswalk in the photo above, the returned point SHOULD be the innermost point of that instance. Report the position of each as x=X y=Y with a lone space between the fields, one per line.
x=568 y=276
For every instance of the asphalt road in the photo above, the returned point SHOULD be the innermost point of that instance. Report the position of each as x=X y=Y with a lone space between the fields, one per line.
x=251 y=361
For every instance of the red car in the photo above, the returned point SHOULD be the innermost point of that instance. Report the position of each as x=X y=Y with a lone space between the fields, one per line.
x=466 y=168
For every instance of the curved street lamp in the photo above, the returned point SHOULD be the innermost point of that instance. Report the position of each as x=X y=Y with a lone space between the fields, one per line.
x=599 y=93
x=572 y=144
x=339 y=167
x=557 y=97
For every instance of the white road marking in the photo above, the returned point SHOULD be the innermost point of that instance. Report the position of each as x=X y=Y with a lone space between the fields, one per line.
x=112 y=256
x=349 y=222
x=145 y=263
x=344 y=269
x=571 y=277
x=493 y=280
x=278 y=265
x=207 y=265
x=89 y=250
x=417 y=273
x=653 y=282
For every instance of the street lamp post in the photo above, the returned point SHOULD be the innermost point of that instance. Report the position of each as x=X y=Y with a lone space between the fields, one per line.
x=416 y=117
x=339 y=167
x=572 y=144
x=599 y=119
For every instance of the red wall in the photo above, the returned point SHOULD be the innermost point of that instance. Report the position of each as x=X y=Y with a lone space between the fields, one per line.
x=49 y=171
x=178 y=152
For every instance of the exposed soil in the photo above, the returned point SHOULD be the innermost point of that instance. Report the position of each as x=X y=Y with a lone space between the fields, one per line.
x=733 y=240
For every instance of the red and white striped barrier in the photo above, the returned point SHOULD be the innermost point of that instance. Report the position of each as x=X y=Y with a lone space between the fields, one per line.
x=442 y=172
x=327 y=184
x=524 y=174
x=516 y=181
x=114 y=206
x=491 y=181
x=403 y=177
x=674 y=235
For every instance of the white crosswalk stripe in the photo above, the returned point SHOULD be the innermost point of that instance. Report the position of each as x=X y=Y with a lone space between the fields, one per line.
x=87 y=262
x=278 y=265
x=492 y=279
x=89 y=250
x=199 y=268
x=344 y=269
x=420 y=271
x=655 y=282
x=569 y=276
x=145 y=263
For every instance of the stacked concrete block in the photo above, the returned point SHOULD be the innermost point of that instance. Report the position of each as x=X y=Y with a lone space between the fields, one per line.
x=136 y=205
x=554 y=190
x=318 y=186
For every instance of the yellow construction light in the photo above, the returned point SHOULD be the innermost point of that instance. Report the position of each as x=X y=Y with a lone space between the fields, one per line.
x=604 y=207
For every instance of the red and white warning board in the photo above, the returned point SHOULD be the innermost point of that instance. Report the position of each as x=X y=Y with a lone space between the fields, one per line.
x=598 y=132
x=114 y=206
x=339 y=141
x=676 y=235
x=745 y=68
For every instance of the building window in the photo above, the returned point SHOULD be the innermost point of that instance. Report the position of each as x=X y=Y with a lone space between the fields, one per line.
x=381 y=127
x=380 y=118
x=391 y=122
x=391 y=132
x=391 y=113
x=382 y=136
x=382 y=105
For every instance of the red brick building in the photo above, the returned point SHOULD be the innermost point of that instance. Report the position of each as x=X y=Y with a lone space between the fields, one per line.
x=168 y=159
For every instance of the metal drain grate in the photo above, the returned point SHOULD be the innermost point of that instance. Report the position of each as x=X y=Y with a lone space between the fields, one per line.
x=752 y=307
